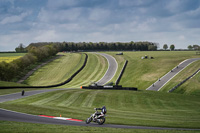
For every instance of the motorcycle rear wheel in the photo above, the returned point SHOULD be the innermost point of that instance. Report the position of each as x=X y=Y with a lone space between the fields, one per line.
x=101 y=121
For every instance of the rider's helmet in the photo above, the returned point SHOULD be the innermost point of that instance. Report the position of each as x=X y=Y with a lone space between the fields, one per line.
x=104 y=110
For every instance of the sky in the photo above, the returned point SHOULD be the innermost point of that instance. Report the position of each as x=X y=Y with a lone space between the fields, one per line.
x=161 y=21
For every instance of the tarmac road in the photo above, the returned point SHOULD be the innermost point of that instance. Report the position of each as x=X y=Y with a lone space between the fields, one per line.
x=166 y=78
x=22 y=117
x=112 y=68
x=14 y=96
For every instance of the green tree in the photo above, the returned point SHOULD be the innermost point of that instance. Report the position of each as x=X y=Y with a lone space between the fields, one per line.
x=190 y=47
x=152 y=47
x=196 y=47
x=172 y=47
x=165 y=46
x=20 y=48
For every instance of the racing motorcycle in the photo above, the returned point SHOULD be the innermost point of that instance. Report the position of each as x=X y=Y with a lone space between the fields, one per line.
x=96 y=117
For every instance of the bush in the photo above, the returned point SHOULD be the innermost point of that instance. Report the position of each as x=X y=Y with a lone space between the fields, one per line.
x=8 y=71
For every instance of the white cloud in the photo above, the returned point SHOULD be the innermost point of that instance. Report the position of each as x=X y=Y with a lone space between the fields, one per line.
x=99 y=14
x=46 y=36
x=181 y=37
x=131 y=2
x=60 y=16
x=15 y=18
x=57 y=4
x=113 y=20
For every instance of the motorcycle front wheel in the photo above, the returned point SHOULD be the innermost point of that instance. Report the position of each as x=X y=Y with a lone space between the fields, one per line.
x=88 y=120
x=101 y=121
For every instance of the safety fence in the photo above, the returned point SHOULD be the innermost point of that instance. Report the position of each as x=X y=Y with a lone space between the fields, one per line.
x=184 y=81
x=122 y=72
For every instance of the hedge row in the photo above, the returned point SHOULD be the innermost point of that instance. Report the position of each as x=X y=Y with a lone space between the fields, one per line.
x=11 y=70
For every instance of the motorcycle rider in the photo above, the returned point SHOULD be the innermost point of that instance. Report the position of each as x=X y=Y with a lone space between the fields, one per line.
x=103 y=111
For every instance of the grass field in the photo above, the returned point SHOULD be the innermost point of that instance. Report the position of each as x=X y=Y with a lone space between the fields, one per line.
x=11 y=54
x=94 y=70
x=144 y=108
x=8 y=57
x=142 y=73
x=6 y=127
x=56 y=71
x=192 y=86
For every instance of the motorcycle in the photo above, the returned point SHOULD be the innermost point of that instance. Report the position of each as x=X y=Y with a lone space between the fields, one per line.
x=96 y=117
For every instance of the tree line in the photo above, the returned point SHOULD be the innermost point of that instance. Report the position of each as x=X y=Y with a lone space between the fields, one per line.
x=9 y=71
x=194 y=47
x=172 y=47
x=190 y=47
x=101 y=46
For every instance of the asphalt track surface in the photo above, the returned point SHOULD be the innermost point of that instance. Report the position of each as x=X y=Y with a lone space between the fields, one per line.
x=112 y=69
x=167 y=77
x=22 y=117
x=14 y=96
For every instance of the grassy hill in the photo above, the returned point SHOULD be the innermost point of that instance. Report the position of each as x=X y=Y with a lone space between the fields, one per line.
x=56 y=71
x=145 y=108
x=141 y=73
x=191 y=86
x=93 y=71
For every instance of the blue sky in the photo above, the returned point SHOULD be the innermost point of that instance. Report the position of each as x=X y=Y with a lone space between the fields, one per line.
x=162 y=21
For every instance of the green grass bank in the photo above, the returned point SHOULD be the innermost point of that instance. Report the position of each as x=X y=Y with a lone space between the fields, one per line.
x=142 y=108
x=9 y=127
x=141 y=73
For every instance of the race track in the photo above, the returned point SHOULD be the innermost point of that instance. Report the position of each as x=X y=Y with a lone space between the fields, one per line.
x=112 y=68
x=22 y=117
x=166 y=78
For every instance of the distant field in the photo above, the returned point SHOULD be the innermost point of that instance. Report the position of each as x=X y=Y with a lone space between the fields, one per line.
x=11 y=54
x=8 y=57
x=145 y=108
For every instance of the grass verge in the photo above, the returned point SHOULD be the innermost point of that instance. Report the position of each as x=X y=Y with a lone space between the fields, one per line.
x=9 y=127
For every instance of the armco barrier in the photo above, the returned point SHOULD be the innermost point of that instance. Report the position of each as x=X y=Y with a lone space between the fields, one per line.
x=120 y=76
x=184 y=81
x=49 y=86
x=119 y=87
